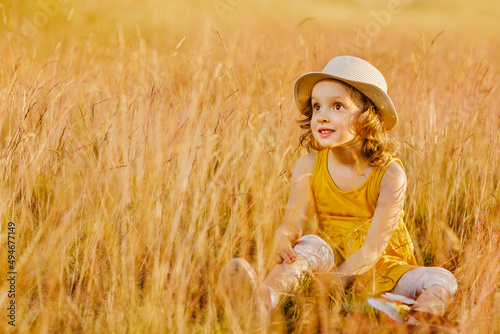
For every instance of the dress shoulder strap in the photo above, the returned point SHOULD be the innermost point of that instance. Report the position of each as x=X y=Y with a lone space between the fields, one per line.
x=319 y=163
x=379 y=173
x=320 y=156
x=398 y=161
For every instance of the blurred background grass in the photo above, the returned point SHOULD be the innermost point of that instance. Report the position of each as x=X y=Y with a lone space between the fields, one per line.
x=145 y=144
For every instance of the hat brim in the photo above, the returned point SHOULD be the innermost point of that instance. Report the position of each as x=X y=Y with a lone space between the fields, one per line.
x=304 y=85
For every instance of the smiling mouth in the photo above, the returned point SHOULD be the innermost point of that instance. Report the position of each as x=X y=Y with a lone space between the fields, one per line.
x=326 y=131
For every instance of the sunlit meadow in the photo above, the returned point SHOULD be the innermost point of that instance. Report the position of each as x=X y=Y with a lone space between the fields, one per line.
x=144 y=144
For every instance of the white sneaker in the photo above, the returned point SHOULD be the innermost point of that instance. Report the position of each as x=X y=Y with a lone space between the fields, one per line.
x=243 y=291
x=396 y=307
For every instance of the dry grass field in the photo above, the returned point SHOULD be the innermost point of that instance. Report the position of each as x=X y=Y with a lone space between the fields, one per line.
x=144 y=144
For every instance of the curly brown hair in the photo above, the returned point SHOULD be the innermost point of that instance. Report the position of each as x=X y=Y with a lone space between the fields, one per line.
x=378 y=148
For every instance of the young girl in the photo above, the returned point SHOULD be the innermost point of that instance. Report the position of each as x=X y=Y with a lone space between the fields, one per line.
x=356 y=187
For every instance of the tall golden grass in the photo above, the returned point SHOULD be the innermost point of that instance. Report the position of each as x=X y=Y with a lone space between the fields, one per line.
x=143 y=146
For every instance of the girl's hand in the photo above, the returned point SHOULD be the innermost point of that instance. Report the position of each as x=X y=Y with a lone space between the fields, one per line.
x=298 y=209
x=285 y=238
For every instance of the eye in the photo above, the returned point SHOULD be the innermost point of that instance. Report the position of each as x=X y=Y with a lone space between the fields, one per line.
x=338 y=106
x=316 y=107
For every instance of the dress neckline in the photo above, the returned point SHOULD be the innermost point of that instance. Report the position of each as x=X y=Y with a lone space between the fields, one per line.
x=358 y=188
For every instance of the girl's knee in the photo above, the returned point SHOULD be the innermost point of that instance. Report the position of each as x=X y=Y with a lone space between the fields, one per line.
x=415 y=281
x=442 y=277
x=316 y=251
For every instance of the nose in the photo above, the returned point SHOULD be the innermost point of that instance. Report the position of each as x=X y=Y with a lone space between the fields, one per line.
x=322 y=118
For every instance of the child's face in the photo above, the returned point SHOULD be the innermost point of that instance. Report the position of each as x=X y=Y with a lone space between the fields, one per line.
x=332 y=111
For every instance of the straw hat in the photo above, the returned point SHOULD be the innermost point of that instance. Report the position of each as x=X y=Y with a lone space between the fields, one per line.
x=356 y=72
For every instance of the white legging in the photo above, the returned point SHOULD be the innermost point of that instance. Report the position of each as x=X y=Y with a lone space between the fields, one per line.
x=320 y=257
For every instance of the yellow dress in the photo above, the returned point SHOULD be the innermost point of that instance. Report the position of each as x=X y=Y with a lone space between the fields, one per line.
x=343 y=221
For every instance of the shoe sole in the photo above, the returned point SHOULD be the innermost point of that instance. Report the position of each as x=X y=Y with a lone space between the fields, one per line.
x=238 y=283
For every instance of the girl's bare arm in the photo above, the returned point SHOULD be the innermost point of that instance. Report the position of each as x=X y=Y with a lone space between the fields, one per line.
x=298 y=210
